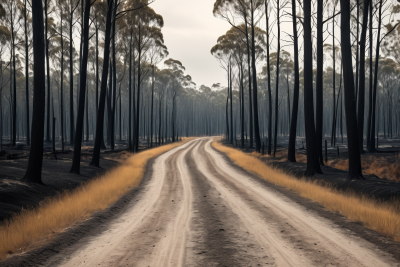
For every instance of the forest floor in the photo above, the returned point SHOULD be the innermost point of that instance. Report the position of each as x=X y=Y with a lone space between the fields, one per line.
x=16 y=195
x=381 y=170
x=195 y=207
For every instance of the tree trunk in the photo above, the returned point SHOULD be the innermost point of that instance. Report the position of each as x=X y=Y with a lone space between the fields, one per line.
x=249 y=73
x=312 y=149
x=277 y=78
x=293 y=122
x=26 y=74
x=361 y=97
x=100 y=114
x=254 y=70
x=34 y=170
x=82 y=88
x=269 y=84
x=371 y=47
x=71 y=82
x=378 y=43
x=349 y=97
x=319 y=88
x=47 y=2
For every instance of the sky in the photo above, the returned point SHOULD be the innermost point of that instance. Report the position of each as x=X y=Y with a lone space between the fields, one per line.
x=190 y=31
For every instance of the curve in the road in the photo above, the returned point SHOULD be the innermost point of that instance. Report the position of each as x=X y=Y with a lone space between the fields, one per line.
x=199 y=210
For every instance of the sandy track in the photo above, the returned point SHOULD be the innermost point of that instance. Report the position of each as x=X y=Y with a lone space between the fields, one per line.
x=199 y=210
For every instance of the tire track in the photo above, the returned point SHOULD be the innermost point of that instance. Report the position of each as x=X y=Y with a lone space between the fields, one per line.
x=284 y=222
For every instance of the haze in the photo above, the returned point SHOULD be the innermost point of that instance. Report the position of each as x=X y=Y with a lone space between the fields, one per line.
x=190 y=30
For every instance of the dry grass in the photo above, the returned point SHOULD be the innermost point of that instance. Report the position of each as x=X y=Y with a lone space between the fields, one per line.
x=385 y=166
x=55 y=214
x=375 y=215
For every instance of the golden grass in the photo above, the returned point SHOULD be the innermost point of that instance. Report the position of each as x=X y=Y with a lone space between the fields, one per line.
x=55 y=214
x=382 y=165
x=381 y=217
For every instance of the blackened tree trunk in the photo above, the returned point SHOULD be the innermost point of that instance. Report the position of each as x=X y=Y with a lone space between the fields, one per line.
x=231 y=98
x=103 y=87
x=249 y=73
x=361 y=94
x=71 y=80
x=152 y=101
x=227 y=116
x=349 y=97
x=130 y=95
x=26 y=74
x=378 y=43
x=254 y=70
x=293 y=122
x=268 y=83
x=62 y=86
x=34 y=170
x=312 y=152
x=371 y=47
x=82 y=89
x=46 y=6
x=14 y=81
x=277 y=76
x=319 y=88
x=333 y=135
x=242 y=106
x=138 y=89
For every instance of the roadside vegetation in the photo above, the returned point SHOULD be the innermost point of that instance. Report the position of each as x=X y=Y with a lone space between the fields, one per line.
x=57 y=213
x=378 y=216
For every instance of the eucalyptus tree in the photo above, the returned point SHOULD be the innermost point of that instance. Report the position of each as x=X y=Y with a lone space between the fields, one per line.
x=223 y=51
x=48 y=24
x=248 y=12
x=72 y=6
x=27 y=30
x=296 y=87
x=129 y=7
x=148 y=24
x=312 y=148
x=361 y=89
x=34 y=170
x=5 y=38
x=13 y=18
x=349 y=97
x=158 y=51
x=79 y=122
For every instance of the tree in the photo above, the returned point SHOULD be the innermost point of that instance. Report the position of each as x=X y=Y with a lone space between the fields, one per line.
x=79 y=120
x=349 y=97
x=296 y=89
x=34 y=170
x=312 y=148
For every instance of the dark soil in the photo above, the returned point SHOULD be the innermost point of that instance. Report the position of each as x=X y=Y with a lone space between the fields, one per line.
x=16 y=195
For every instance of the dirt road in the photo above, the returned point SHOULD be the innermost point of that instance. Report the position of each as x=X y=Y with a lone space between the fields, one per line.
x=199 y=210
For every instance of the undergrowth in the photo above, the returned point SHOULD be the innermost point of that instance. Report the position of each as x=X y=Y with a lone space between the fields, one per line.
x=56 y=213
x=382 y=217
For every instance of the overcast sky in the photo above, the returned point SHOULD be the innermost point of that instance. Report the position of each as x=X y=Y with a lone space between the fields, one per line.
x=190 y=30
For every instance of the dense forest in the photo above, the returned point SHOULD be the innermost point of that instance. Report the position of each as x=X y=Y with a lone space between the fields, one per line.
x=98 y=72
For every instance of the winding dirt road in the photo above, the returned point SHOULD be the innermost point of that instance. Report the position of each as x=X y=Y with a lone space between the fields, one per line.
x=199 y=210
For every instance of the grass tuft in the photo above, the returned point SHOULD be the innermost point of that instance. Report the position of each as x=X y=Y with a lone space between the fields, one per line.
x=379 y=216
x=56 y=213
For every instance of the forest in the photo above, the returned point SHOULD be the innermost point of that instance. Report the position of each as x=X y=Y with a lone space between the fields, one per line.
x=98 y=73
x=286 y=153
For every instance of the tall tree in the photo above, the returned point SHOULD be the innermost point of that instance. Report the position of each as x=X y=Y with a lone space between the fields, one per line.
x=296 y=89
x=312 y=148
x=34 y=170
x=349 y=97
x=79 y=122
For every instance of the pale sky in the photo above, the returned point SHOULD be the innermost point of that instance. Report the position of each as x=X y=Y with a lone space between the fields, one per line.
x=190 y=30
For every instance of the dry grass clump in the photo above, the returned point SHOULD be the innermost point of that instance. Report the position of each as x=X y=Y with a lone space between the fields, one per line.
x=382 y=165
x=375 y=215
x=65 y=209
